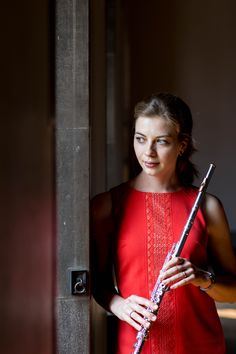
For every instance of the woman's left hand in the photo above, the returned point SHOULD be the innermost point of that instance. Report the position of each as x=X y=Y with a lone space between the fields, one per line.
x=179 y=272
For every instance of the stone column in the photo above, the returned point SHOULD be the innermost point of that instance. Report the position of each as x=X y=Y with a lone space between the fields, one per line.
x=72 y=171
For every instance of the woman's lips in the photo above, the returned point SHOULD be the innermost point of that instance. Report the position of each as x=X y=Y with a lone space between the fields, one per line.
x=150 y=164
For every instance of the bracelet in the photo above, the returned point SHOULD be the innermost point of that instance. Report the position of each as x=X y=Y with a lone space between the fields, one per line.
x=212 y=278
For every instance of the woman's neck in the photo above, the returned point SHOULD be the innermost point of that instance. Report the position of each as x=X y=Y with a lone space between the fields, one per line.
x=147 y=183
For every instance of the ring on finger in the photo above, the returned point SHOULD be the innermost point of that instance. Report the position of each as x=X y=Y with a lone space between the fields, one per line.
x=130 y=314
x=185 y=275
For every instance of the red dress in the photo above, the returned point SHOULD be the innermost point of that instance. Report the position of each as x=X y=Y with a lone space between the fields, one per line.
x=148 y=224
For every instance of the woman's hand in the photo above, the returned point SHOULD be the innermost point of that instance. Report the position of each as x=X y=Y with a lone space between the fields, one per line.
x=133 y=310
x=180 y=271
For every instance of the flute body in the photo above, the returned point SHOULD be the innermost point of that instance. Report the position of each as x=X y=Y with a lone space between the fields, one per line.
x=159 y=288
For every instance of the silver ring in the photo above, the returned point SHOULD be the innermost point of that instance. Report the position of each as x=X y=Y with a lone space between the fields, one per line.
x=130 y=315
x=185 y=275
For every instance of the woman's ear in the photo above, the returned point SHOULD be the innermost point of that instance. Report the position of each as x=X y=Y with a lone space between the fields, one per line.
x=183 y=146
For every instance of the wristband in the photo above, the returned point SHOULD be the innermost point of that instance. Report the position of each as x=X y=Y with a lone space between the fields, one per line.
x=212 y=278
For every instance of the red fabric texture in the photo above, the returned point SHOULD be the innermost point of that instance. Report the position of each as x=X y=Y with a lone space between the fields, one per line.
x=148 y=224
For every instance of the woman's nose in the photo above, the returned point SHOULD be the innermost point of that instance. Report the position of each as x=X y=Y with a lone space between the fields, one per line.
x=150 y=151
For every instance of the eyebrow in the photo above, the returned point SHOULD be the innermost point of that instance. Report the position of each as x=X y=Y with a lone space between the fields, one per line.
x=158 y=136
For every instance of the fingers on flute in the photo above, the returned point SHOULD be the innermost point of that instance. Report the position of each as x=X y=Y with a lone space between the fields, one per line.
x=142 y=312
x=139 y=300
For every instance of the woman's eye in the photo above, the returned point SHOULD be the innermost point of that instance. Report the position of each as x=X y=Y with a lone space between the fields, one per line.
x=162 y=142
x=140 y=139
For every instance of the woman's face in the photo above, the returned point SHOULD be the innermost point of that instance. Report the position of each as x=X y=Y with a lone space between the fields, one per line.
x=156 y=145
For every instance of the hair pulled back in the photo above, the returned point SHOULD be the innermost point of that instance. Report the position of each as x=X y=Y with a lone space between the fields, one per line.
x=177 y=112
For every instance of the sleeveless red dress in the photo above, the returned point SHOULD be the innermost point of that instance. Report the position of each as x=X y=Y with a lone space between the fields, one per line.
x=147 y=226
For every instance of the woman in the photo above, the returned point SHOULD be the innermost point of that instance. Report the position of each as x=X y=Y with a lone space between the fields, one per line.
x=134 y=226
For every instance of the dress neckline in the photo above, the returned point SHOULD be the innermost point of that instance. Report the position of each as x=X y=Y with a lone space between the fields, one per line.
x=157 y=193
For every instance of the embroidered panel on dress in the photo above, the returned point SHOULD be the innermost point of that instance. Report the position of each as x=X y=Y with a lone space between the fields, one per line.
x=159 y=243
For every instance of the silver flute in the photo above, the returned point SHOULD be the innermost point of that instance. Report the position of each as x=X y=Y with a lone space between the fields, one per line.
x=159 y=288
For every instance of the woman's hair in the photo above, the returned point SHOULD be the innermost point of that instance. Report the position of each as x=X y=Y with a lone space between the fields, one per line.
x=177 y=112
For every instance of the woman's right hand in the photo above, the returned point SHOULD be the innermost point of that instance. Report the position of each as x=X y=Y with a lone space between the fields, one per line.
x=133 y=310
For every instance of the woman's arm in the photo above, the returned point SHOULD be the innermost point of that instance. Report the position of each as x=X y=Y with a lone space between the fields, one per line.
x=221 y=251
x=132 y=309
x=179 y=271
x=103 y=287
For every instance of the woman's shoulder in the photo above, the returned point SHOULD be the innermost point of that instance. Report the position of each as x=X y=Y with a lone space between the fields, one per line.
x=212 y=203
x=214 y=213
x=119 y=190
x=103 y=203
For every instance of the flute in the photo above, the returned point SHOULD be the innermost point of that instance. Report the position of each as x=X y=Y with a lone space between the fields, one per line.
x=159 y=288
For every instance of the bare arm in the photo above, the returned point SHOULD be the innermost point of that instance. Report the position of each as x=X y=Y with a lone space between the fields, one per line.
x=221 y=252
x=179 y=272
